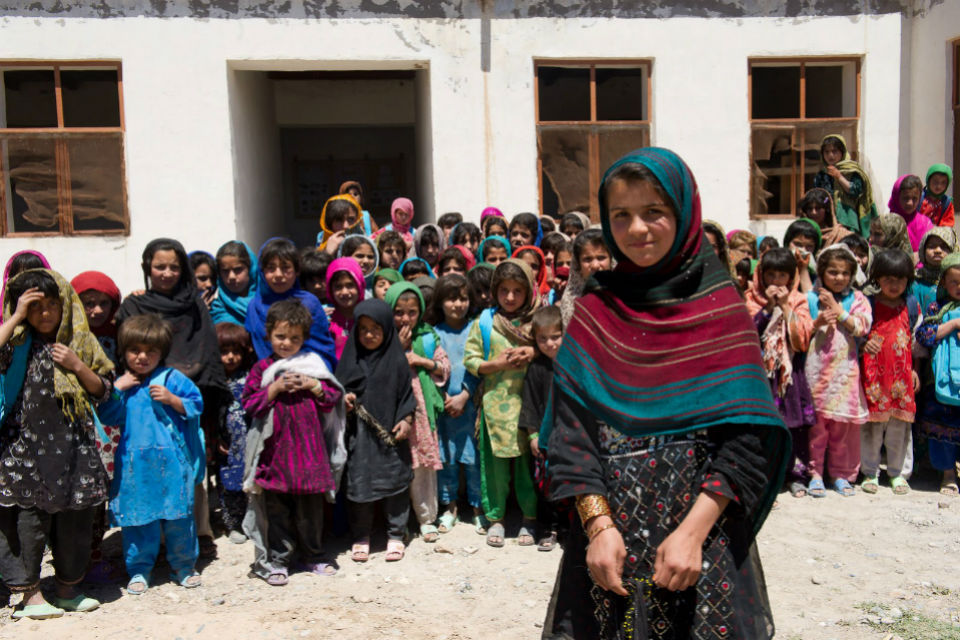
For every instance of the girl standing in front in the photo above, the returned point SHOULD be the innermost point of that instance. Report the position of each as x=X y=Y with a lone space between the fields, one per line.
x=346 y=288
x=51 y=477
x=238 y=278
x=498 y=350
x=840 y=315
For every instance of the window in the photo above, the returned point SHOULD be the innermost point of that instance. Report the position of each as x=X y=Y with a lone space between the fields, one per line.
x=61 y=149
x=588 y=116
x=794 y=104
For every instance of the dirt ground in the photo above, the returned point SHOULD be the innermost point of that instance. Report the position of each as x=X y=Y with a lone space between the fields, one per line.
x=862 y=568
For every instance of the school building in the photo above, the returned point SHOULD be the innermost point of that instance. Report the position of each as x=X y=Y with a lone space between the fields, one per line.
x=208 y=120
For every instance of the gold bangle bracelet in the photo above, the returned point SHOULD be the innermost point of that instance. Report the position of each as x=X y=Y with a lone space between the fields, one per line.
x=593 y=534
x=591 y=506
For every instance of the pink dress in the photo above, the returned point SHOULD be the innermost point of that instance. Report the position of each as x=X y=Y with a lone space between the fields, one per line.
x=424 y=443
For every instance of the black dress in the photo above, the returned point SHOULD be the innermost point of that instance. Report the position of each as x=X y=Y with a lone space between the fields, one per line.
x=650 y=484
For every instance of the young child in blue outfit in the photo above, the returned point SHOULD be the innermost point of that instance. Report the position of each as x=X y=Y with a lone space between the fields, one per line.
x=160 y=458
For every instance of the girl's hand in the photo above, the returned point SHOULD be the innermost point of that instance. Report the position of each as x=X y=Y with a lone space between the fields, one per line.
x=65 y=357
x=351 y=401
x=137 y=292
x=833 y=172
x=827 y=301
x=535 y=446
x=30 y=296
x=208 y=296
x=782 y=297
x=916 y=381
x=406 y=337
x=679 y=561
x=417 y=361
x=605 y=556
x=161 y=394
x=335 y=241
x=127 y=381
x=455 y=406
x=401 y=430
x=873 y=345
x=770 y=294
x=520 y=356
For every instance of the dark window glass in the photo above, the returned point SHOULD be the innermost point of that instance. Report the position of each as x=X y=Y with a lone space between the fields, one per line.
x=565 y=158
x=564 y=94
x=31 y=99
x=90 y=98
x=32 y=171
x=96 y=182
x=824 y=92
x=775 y=92
x=621 y=94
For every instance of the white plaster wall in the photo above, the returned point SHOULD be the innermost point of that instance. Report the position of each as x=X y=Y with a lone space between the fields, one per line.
x=931 y=132
x=191 y=174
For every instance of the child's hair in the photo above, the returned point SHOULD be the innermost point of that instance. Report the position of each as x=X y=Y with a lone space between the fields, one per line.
x=198 y=258
x=744 y=241
x=833 y=141
x=391 y=238
x=280 y=249
x=233 y=335
x=491 y=221
x=414 y=268
x=351 y=244
x=466 y=231
x=891 y=262
x=40 y=280
x=23 y=262
x=446 y=287
x=313 y=265
x=829 y=255
x=526 y=220
x=911 y=182
x=805 y=228
x=717 y=233
x=571 y=219
x=234 y=249
x=816 y=197
x=565 y=247
x=149 y=329
x=546 y=318
x=166 y=244
x=452 y=253
x=547 y=224
x=479 y=278
x=592 y=237
x=338 y=210
x=292 y=312
x=450 y=219
x=490 y=243
x=552 y=241
x=429 y=236
x=856 y=241
x=510 y=271
x=779 y=259
x=743 y=268
x=768 y=242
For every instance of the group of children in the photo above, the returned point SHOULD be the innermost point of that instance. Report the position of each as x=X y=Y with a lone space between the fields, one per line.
x=383 y=370
x=855 y=315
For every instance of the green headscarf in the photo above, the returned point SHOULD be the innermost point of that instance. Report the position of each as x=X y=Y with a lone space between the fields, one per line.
x=853 y=212
x=940 y=168
x=431 y=395
x=390 y=275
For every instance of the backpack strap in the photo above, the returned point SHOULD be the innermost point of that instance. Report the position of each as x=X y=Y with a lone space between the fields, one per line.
x=813 y=301
x=486 y=328
x=429 y=345
x=913 y=310
x=367 y=229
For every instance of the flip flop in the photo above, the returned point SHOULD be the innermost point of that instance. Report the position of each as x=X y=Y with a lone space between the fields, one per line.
x=798 y=490
x=79 y=603
x=495 y=530
x=480 y=525
x=360 y=551
x=548 y=543
x=137 y=580
x=949 y=489
x=844 y=488
x=278 y=578
x=525 y=537
x=319 y=568
x=43 y=611
x=900 y=486
x=447 y=522
x=816 y=488
x=429 y=532
x=395 y=549
x=187 y=581
x=870 y=485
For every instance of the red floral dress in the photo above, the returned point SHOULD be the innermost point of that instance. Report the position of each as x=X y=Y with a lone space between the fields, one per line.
x=888 y=376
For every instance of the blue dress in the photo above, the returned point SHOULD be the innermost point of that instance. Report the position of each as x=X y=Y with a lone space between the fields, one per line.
x=231 y=472
x=156 y=463
x=924 y=292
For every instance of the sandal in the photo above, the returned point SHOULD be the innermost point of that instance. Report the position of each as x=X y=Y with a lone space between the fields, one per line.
x=949 y=489
x=79 y=603
x=319 y=568
x=525 y=535
x=495 y=534
x=447 y=522
x=189 y=579
x=429 y=533
x=480 y=525
x=360 y=551
x=137 y=585
x=870 y=485
x=798 y=490
x=816 y=488
x=899 y=485
x=548 y=543
x=43 y=611
x=278 y=578
x=395 y=549
x=844 y=488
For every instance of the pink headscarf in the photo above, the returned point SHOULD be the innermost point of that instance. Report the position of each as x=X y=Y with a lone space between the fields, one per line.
x=340 y=325
x=917 y=223
x=6 y=269
x=469 y=257
x=490 y=211
x=405 y=205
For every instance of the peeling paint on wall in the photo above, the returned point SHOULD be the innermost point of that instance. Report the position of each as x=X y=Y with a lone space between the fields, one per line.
x=458 y=9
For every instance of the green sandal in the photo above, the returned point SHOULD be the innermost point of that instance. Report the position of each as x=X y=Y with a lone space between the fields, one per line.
x=79 y=603
x=900 y=486
x=43 y=611
x=870 y=485
x=447 y=522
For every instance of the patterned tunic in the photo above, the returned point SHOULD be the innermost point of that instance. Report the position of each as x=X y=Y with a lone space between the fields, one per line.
x=888 y=376
x=424 y=443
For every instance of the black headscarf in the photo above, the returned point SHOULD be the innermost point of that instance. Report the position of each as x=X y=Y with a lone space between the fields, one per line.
x=384 y=371
x=194 y=351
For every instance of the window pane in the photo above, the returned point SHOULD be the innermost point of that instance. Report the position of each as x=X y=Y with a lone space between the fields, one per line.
x=621 y=94
x=774 y=164
x=564 y=94
x=566 y=165
x=831 y=91
x=775 y=92
x=30 y=178
x=616 y=142
x=30 y=98
x=90 y=98
x=96 y=183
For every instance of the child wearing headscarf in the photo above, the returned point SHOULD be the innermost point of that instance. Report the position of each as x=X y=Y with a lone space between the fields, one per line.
x=340 y=217
x=19 y=262
x=401 y=221
x=355 y=189
x=848 y=183
x=936 y=245
x=935 y=203
x=905 y=201
x=346 y=289
x=238 y=276
x=101 y=301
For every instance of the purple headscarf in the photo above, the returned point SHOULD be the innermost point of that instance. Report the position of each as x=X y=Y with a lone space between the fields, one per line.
x=917 y=224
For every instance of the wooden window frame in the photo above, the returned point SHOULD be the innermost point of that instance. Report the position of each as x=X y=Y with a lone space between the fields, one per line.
x=593 y=149
x=61 y=134
x=799 y=170
x=955 y=104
